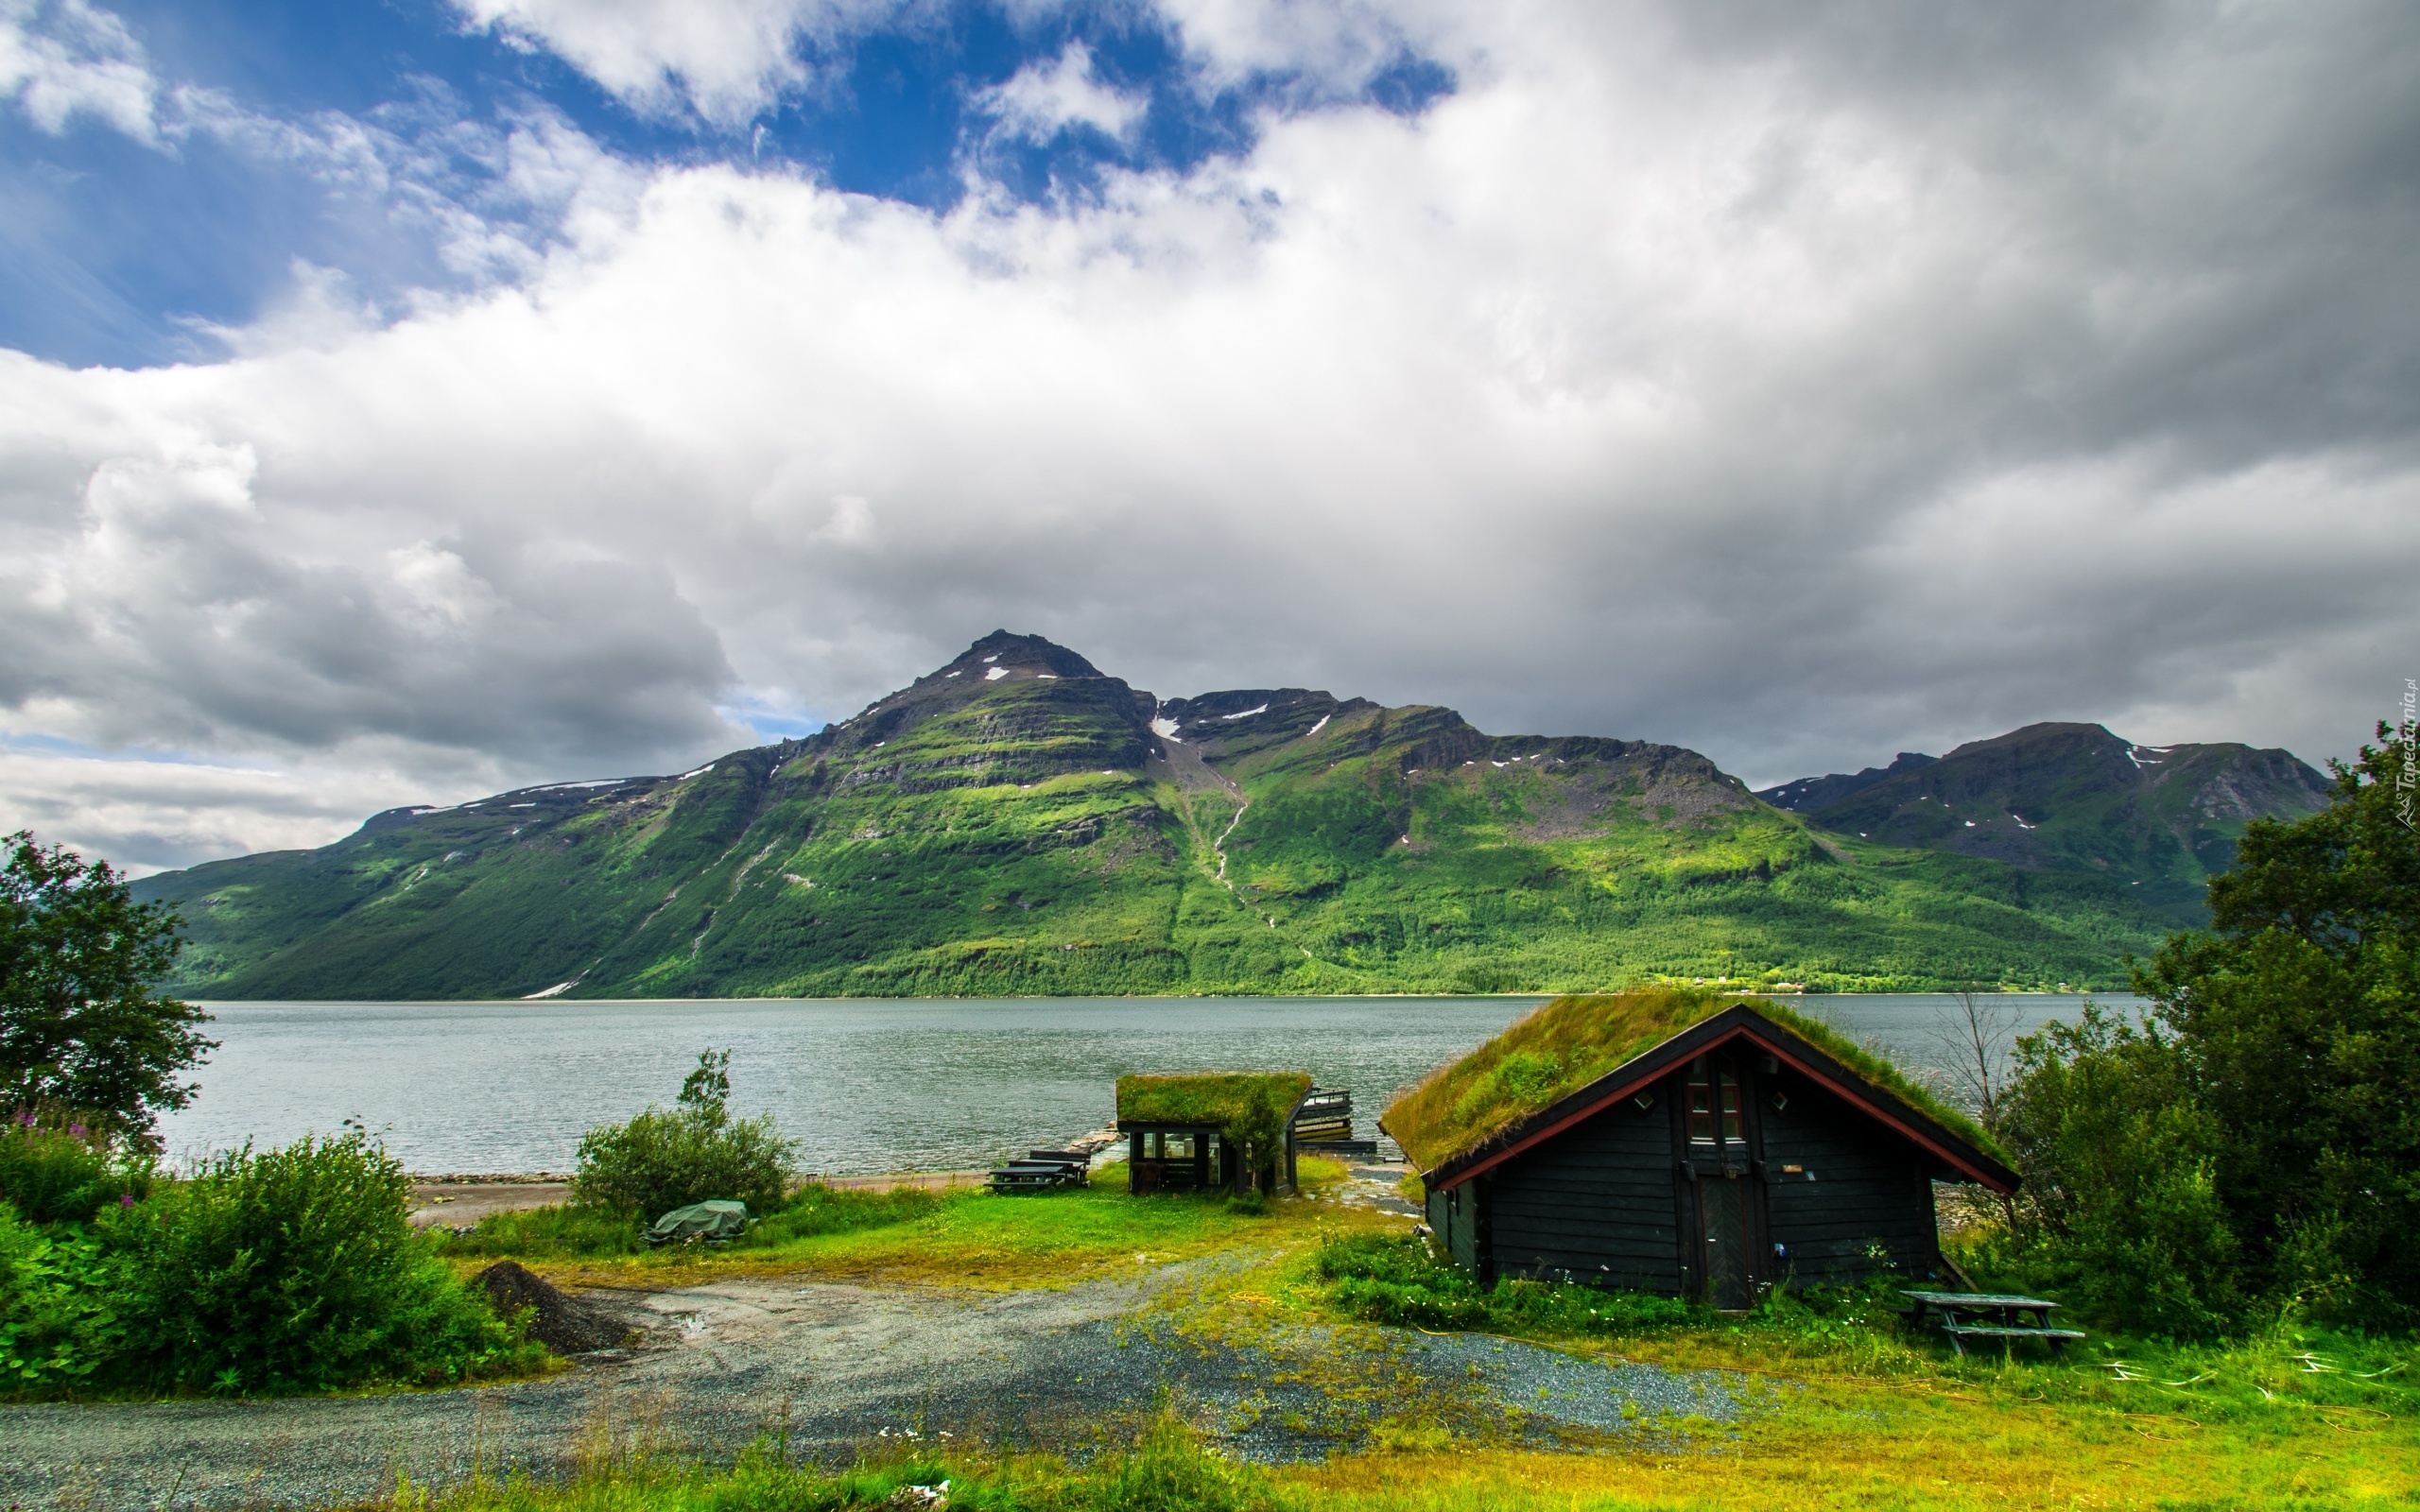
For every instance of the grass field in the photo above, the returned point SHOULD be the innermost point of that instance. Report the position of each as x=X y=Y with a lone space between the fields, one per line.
x=1851 y=1411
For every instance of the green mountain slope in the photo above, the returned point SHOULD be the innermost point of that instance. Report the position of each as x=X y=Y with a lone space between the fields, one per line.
x=2160 y=819
x=1017 y=822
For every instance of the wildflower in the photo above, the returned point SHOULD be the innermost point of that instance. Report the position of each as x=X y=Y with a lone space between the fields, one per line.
x=77 y=1130
x=126 y=1199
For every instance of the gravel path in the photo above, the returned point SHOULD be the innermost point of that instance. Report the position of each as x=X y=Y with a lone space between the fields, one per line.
x=722 y=1364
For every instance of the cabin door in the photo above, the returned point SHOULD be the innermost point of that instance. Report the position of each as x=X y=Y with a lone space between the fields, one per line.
x=1723 y=1203
x=1720 y=1159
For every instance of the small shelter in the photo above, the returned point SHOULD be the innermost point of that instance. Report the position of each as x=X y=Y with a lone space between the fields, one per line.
x=1189 y=1133
x=1680 y=1142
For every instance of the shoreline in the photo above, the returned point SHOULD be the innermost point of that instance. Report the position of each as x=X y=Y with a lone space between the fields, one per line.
x=2096 y=995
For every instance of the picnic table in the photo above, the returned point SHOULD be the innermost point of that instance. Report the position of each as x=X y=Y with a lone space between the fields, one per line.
x=1988 y=1315
x=1043 y=1170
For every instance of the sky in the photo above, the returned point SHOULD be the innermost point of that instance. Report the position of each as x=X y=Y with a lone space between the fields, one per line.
x=403 y=401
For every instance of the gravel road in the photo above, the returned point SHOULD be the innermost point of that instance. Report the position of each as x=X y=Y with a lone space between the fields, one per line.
x=721 y=1365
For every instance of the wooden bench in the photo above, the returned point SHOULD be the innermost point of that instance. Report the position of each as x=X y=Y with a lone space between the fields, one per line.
x=1988 y=1315
x=1960 y=1332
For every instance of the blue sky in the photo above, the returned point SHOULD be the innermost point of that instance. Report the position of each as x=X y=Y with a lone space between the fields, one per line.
x=126 y=253
x=402 y=401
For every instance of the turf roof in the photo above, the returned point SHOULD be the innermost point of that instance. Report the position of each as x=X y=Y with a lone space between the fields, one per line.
x=1569 y=1043
x=1223 y=1098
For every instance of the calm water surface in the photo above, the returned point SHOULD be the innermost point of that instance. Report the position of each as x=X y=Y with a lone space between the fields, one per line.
x=870 y=1086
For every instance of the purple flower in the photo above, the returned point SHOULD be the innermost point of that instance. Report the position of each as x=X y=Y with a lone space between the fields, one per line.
x=126 y=1199
x=25 y=1120
x=76 y=1129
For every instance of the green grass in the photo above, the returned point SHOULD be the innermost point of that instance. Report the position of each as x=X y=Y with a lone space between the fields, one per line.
x=1221 y=1098
x=964 y=1238
x=1854 y=1411
x=577 y=1233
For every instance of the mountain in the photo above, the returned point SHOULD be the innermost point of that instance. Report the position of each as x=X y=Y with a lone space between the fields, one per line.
x=2158 y=819
x=1810 y=793
x=1019 y=822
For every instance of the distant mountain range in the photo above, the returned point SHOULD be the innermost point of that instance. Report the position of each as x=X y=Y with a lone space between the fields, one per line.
x=2160 y=818
x=1017 y=822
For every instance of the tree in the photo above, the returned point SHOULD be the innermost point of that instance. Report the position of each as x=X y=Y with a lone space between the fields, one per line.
x=2301 y=1011
x=81 y=1023
x=2256 y=1146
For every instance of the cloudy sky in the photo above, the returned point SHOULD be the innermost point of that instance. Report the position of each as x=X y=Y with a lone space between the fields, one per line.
x=406 y=400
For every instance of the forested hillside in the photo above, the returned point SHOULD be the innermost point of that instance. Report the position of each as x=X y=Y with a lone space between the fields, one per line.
x=1017 y=822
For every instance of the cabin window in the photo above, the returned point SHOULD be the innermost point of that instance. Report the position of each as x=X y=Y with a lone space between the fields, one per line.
x=1179 y=1147
x=1714 y=1105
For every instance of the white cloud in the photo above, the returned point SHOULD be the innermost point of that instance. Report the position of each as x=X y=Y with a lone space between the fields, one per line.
x=726 y=59
x=1043 y=100
x=64 y=58
x=147 y=816
x=1737 y=389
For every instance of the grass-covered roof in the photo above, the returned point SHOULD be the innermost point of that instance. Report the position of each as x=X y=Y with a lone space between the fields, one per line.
x=1569 y=1043
x=1224 y=1098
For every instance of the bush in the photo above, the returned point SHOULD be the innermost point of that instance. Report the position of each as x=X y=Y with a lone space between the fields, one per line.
x=58 y=1169
x=664 y=1160
x=1398 y=1280
x=57 y=1326
x=294 y=1270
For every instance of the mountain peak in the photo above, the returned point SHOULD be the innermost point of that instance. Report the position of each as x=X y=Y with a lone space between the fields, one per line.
x=1029 y=653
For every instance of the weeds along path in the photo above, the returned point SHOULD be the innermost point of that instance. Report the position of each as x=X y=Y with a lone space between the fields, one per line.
x=837 y=1368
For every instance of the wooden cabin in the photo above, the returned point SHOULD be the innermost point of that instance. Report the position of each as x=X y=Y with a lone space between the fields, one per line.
x=1680 y=1144
x=1188 y=1133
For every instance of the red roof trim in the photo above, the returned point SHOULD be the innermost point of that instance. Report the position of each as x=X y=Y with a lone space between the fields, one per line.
x=1854 y=1094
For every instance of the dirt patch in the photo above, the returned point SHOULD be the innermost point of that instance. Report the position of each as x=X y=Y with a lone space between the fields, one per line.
x=564 y=1323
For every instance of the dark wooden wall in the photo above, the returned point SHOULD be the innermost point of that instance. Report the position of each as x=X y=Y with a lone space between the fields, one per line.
x=1860 y=1185
x=1593 y=1203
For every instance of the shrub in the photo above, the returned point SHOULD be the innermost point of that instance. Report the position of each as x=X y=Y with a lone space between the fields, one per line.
x=55 y=1168
x=693 y=1152
x=292 y=1270
x=57 y=1326
x=1398 y=1280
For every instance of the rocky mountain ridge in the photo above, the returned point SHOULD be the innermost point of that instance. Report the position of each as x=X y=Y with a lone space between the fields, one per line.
x=1018 y=821
x=2072 y=796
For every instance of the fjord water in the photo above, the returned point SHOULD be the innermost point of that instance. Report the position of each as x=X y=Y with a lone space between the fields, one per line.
x=869 y=1085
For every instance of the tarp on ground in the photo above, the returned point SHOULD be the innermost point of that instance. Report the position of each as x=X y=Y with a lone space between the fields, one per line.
x=716 y=1222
